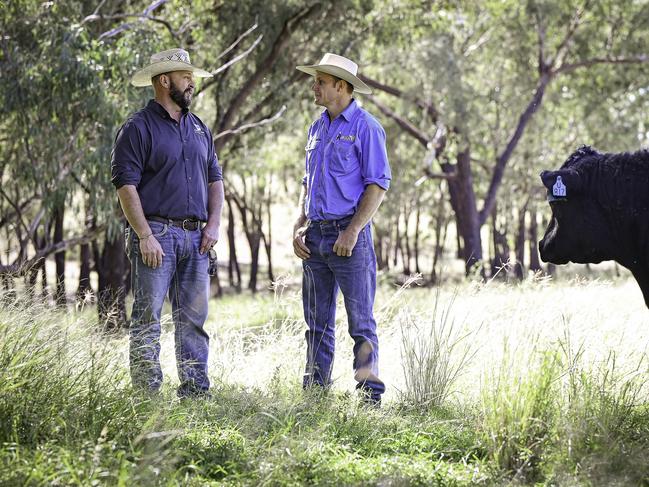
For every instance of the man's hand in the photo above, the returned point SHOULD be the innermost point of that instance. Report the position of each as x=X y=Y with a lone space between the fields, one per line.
x=210 y=237
x=299 y=247
x=151 y=252
x=346 y=242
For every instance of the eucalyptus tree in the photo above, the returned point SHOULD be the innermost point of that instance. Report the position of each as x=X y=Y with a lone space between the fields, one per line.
x=256 y=95
x=56 y=115
x=477 y=74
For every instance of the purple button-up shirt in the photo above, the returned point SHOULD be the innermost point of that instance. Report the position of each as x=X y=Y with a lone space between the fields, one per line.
x=169 y=163
x=342 y=158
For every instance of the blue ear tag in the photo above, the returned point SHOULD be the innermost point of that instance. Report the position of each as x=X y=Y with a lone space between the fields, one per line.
x=559 y=189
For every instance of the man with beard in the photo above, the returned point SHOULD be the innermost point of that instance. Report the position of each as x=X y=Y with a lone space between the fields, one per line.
x=347 y=175
x=170 y=187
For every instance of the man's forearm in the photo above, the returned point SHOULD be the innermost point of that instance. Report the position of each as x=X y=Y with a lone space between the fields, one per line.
x=129 y=199
x=370 y=202
x=215 y=198
x=301 y=220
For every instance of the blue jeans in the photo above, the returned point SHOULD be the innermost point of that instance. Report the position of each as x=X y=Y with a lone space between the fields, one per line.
x=183 y=276
x=324 y=273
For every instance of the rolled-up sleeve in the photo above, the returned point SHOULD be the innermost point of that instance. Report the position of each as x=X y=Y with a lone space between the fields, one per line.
x=128 y=155
x=375 y=168
x=214 y=170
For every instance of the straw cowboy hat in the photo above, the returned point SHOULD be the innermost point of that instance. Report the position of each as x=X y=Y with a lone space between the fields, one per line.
x=165 y=62
x=340 y=67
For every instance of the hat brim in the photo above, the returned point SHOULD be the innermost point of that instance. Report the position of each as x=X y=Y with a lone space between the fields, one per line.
x=338 y=72
x=144 y=75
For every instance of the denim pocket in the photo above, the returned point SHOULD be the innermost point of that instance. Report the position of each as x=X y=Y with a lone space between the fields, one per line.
x=158 y=229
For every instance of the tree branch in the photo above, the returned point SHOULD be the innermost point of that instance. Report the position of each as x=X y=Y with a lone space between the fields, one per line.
x=209 y=82
x=593 y=61
x=404 y=124
x=145 y=15
x=24 y=205
x=504 y=157
x=239 y=57
x=266 y=65
x=428 y=107
x=562 y=50
x=20 y=267
x=248 y=126
x=239 y=39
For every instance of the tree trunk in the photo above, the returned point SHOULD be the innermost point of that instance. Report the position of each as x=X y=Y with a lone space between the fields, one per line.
x=397 y=238
x=84 y=271
x=535 y=262
x=234 y=270
x=519 y=267
x=268 y=241
x=215 y=285
x=463 y=201
x=416 y=242
x=85 y=255
x=407 y=256
x=254 y=240
x=113 y=272
x=380 y=249
x=59 y=257
x=441 y=230
x=500 y=260
x=45 y=291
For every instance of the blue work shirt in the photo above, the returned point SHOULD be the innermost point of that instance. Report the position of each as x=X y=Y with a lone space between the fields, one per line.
x=342 y=158
x=169 y=163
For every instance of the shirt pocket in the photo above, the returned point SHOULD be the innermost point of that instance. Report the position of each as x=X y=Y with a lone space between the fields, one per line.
x=342 y=158
x=311 y=151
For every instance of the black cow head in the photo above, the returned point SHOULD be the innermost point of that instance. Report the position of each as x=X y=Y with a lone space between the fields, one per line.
x=577 y=230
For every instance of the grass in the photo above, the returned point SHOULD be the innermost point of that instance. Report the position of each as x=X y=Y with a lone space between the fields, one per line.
x=488 y=384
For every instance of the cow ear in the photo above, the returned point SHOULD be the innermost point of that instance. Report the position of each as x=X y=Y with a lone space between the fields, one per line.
x=548 y=178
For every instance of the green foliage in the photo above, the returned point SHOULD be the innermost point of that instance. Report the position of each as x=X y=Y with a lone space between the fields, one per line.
x=519 y=409
x=603 y=422
x=69 y=417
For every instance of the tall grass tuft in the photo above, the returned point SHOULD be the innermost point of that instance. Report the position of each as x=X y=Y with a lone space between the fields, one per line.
x=64 y=399
x=519 y=407
x=604 y=422
x=434 y=354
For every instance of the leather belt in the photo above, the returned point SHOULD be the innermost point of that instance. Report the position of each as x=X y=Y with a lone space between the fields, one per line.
x=340 y=221
x=186 y=224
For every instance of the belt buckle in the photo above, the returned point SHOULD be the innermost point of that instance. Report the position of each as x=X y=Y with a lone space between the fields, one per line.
x=189 y=222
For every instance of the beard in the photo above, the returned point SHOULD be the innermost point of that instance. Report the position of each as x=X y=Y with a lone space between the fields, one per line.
x=180 y=98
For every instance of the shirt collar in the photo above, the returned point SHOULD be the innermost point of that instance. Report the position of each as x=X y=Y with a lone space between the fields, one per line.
x=160 y=110
x=347 y=113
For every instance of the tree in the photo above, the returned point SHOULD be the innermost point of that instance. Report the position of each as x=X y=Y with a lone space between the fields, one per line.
x=463 y=95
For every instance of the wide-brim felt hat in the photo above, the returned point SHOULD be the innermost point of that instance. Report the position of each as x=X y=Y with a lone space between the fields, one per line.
x=165 y=62
x=340 y=67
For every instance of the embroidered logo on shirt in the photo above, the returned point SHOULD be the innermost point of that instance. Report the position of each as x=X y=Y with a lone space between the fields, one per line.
x=348 y=138
x=198 y=129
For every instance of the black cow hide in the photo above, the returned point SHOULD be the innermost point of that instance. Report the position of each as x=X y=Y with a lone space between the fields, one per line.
x=600 y=211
